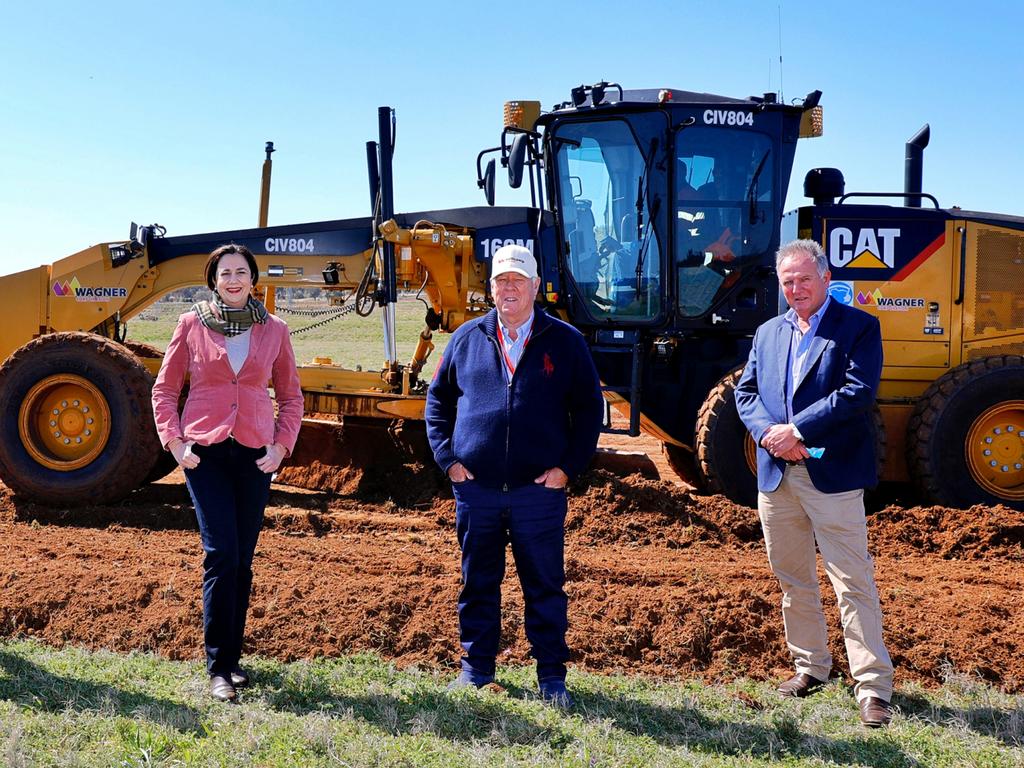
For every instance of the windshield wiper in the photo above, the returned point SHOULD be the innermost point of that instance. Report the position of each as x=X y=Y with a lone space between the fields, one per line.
x=563 y=140
x=641 y=188
x=641 y=196
x=646 y=242
x=752 y=192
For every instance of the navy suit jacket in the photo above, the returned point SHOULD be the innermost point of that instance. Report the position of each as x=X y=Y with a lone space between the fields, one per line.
x=832 y=403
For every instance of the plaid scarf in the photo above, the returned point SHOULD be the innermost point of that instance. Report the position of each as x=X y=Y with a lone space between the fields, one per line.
x=229 y=321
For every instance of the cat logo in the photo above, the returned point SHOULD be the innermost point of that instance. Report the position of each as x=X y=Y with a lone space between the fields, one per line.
x=870 y=248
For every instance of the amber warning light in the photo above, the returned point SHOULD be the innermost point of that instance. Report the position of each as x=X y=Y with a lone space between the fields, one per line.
x=812 y=123
x=521 y=114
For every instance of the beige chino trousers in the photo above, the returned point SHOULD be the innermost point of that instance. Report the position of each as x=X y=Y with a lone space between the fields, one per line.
x=794 y=517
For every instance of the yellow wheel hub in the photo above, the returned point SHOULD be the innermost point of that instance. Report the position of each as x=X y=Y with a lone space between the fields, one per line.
x=995 y=450
x=64 y=422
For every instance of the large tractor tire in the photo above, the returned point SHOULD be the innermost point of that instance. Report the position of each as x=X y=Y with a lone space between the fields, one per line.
x=726 y=454
x=76 y=423
x=965 y=439
x=142 y=350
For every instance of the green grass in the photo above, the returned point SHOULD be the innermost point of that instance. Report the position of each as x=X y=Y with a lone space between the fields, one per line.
x=349 y=341
x=73 y=707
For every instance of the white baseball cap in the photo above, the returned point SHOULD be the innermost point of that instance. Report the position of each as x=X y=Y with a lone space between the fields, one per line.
x=513 y=258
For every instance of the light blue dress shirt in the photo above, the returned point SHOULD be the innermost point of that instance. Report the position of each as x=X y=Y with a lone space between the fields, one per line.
x=798 y=349
x=514 y=349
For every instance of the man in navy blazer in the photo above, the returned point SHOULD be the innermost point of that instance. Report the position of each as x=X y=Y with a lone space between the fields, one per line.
x=806 y=396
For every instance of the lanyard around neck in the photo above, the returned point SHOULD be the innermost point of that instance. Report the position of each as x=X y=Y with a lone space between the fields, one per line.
x=504 y=352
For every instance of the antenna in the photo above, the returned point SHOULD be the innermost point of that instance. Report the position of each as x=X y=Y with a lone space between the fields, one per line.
x=782 y=97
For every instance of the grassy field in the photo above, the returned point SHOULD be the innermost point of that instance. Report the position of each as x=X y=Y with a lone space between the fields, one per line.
x=72 y=707
x=349 y=341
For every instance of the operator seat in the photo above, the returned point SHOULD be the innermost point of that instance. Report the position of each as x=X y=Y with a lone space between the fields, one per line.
x=583 y=257
x=684 y=190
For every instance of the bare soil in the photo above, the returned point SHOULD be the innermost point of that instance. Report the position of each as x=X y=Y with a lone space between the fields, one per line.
x=661 y=581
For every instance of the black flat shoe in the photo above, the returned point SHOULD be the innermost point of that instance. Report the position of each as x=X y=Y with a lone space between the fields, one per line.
x=239 y=677
x=221 y=688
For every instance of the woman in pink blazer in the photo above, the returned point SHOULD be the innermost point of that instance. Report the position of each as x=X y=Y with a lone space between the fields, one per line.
x=227 y=439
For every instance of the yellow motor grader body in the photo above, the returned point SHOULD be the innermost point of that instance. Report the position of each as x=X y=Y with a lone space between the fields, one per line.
x=77 y=430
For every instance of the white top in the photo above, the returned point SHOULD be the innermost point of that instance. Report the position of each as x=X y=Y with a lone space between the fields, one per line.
x=238 y=349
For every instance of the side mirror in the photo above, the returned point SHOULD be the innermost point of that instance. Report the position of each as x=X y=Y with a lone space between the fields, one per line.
x=488 y=184
x=517 y=160
x=133 y=245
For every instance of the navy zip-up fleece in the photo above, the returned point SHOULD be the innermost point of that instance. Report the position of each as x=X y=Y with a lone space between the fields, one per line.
x=509 y=433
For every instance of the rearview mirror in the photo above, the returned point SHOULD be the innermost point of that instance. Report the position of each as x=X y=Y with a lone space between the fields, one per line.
x=489 y=182
x=517 y=160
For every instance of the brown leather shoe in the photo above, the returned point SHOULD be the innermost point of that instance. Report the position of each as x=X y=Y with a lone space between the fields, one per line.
x=239 y=677
x=221 y=688
x=801 y=684
x=875 y=712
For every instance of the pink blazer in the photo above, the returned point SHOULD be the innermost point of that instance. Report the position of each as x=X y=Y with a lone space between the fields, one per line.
x=220 y=403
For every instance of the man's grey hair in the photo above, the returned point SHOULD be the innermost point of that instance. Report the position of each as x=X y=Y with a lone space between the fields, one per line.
x=804 y=247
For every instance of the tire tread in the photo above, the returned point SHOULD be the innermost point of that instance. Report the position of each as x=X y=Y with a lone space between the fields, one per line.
x=142 y=443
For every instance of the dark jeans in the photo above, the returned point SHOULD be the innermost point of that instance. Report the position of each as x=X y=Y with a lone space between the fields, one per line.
x=532 y=519
x=230 y=493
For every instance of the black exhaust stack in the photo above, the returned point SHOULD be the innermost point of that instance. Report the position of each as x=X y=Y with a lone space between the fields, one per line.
x=385 y=129
x=914 y=165
x=373 y=173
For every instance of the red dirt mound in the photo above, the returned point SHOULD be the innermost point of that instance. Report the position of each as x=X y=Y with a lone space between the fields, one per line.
x=978 y=533
x=609 y=509
x=661 y=581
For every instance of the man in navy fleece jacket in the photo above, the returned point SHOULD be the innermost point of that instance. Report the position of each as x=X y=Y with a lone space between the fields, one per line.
x=513 y=412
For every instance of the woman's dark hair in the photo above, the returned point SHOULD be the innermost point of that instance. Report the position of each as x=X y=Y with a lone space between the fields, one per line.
x=224 y=250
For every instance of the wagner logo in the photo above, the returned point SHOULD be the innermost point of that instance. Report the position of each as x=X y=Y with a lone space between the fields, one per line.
x=868 y=248
x=80 y=292
x=877 y=300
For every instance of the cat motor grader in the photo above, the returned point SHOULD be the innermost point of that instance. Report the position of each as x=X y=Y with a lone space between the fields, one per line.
x=664 y=326
x=655 y=216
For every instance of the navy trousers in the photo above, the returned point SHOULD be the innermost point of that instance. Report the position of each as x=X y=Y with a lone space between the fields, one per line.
x=230 y=494
x=532 y=519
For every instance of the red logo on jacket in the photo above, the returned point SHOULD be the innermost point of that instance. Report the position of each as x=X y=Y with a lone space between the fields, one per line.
x=549 y=367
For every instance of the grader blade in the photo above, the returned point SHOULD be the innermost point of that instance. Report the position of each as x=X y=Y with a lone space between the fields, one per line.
x=369 y=458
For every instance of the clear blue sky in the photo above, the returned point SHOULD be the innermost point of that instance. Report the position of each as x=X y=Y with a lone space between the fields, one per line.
x=115 y=111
